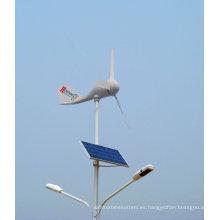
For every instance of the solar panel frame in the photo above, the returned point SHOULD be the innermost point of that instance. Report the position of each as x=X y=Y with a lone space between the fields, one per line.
x=103 y=160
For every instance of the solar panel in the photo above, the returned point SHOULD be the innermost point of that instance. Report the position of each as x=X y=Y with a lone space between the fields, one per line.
x=105 y=154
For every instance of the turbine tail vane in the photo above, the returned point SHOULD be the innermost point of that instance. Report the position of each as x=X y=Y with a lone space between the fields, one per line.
x=124 y=116
x=112 y=66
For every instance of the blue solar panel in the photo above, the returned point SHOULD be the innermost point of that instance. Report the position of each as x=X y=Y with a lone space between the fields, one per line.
x=105 y=154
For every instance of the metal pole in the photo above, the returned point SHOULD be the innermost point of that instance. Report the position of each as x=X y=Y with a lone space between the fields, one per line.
x=113 y=194
x=96 y=164
x=75 y=198
x=96 y=99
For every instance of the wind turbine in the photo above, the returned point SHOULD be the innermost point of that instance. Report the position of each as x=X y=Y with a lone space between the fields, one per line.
x=96 y=152
x=102 y=89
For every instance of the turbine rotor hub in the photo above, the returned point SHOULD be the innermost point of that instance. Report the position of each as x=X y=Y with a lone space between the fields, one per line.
x=114 y=86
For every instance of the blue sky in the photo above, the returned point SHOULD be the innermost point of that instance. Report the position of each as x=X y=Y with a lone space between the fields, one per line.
x=159 y=64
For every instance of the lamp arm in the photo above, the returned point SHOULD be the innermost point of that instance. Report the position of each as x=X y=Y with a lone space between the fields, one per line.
x=75 y=198
x=113 y=194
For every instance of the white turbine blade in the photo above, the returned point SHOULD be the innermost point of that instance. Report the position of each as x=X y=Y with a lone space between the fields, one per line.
x=126 y=120
x=112 y=66
x=102 y=84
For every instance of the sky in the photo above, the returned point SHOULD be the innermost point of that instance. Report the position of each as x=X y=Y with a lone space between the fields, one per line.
x=159 y=64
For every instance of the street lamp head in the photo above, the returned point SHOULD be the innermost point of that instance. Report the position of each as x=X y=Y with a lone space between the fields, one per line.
x=54 y=187
x=143 y=172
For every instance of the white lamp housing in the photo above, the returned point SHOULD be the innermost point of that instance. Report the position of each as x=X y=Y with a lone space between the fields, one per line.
x=143 y=172
x=54 y=187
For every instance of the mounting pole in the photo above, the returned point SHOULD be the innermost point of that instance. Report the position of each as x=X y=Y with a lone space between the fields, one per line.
x=113 y=194
x=96 y=163
x=96 y=100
